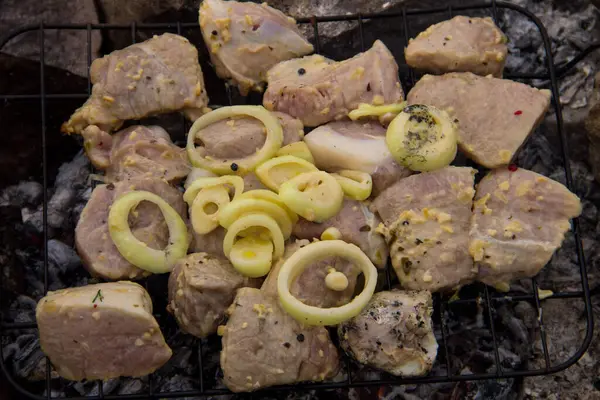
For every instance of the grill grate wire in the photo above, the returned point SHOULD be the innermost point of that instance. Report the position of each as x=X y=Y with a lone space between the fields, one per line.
x=487 y=299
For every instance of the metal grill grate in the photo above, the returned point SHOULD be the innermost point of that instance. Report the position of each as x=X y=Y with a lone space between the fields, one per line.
x=483 y=297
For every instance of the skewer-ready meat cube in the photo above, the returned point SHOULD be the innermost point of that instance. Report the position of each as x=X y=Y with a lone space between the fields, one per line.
x=427 y=218
x=201 y=288
x=101 y=331
x=317 y=90
x=264 y=346
x=494 y=116
x=246 y=39
x=240 y=137
x=138 y=151
x=393 y=332
x=519 y=220
x=97 y=250
x=157 y=76
x=461 y=44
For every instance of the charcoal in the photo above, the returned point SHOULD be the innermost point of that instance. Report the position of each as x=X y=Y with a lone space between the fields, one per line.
x=71 y=188
x=178 y=383
x=26 y=357
x=62 y=256
x=131 y=386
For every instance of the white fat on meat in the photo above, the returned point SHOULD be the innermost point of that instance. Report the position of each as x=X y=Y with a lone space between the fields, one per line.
x=356 y=146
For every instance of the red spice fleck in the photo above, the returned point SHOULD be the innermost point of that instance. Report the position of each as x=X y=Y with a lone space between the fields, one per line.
x=518 y=112
x=95 y=305
x=512 y=167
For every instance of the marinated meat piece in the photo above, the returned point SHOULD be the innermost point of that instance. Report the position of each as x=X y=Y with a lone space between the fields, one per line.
x=427 y=218
x=101 y=331
x=461 y=44
x=138 y=151
x=157 y=76
x=241 y=137
x=519 y=220
x=201 y=287
x=393 y=332
x=318 y=90
x=494 y=116
x=264 y=346
x=211 y=243
x=357 y=146
x=386 y=174
x=246 y=39
x=357 y=224
x=310 y=286
x=92 y=240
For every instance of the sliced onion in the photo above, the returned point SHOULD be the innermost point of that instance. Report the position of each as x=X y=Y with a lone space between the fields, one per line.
x=276 y=171
x=263 y=194
x=137 y=252
x=203 y=222
x=244 y=165
x=309 y=255
x=252 y=256
x=384 y=113
x=356 y=184
x=422 y=138
x=251 y=221
x=331 y=233
x=206 y=190
x=297 y=149
x=206 y=182
x=316 y=196
x=237 y=208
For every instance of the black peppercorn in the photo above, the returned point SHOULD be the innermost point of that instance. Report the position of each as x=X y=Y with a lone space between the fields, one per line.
x=234 y=167
x=301 y=71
